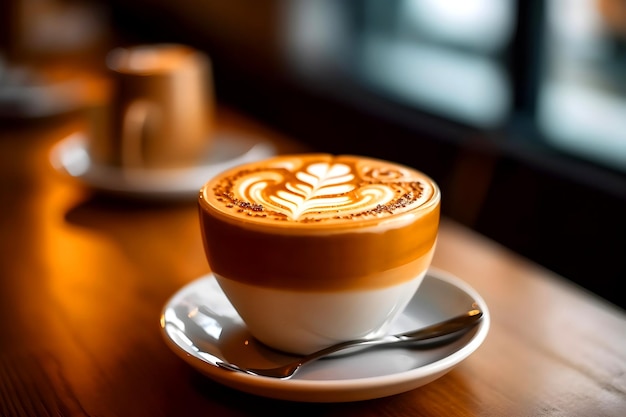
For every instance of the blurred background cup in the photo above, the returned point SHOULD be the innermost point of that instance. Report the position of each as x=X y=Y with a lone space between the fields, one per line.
x=160 y=111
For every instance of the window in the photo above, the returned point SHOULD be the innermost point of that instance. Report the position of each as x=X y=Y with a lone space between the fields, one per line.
x=582 y=100
x=557 y=67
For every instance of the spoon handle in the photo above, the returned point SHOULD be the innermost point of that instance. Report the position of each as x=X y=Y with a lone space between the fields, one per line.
x=443 y=328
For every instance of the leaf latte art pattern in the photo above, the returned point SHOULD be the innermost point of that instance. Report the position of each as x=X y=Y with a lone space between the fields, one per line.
x=313 y=189
x=321 y=188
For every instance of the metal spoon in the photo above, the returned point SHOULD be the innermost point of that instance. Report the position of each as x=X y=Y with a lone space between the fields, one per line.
x=458 y=325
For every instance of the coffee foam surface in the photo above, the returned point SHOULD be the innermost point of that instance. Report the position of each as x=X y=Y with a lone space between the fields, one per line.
x=319 y=189
x=318 y=222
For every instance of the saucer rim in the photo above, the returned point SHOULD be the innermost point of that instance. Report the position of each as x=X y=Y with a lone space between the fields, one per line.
x=339 y=390
x=175 y=185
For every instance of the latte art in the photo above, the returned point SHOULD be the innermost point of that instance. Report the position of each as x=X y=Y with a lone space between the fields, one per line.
x=320 y=188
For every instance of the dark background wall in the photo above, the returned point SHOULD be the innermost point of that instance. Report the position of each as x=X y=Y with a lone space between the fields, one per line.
x=560 y=210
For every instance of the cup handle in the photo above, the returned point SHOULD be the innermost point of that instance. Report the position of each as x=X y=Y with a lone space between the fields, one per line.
x=133 y=132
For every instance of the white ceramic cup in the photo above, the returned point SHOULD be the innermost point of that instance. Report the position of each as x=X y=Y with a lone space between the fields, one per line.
x=315 y=249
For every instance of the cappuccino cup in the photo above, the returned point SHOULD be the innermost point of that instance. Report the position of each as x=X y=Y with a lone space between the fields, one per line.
x=159 y=114
x=315 y=249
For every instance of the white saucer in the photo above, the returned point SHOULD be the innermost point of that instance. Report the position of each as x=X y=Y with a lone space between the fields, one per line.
x=71 y=157
x=198 y=322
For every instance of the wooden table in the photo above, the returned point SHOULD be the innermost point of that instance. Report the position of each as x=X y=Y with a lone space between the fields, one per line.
x=83 y=280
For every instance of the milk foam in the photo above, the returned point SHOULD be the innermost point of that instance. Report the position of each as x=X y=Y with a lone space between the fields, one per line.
x=318 y=188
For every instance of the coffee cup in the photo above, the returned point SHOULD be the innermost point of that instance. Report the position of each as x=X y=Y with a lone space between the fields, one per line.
x=159 y=114
x=315 y=249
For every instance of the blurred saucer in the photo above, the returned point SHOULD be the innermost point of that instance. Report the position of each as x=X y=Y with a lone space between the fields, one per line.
x=200 y=326
x=71 y=157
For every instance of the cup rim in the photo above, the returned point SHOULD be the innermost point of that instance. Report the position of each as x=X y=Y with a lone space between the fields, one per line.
x=117 y=59
x=311 y=227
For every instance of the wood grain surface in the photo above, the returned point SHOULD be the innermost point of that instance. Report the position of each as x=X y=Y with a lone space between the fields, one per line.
x=83 y=279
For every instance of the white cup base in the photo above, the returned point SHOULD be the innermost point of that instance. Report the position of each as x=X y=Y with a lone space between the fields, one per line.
x=302 y=322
